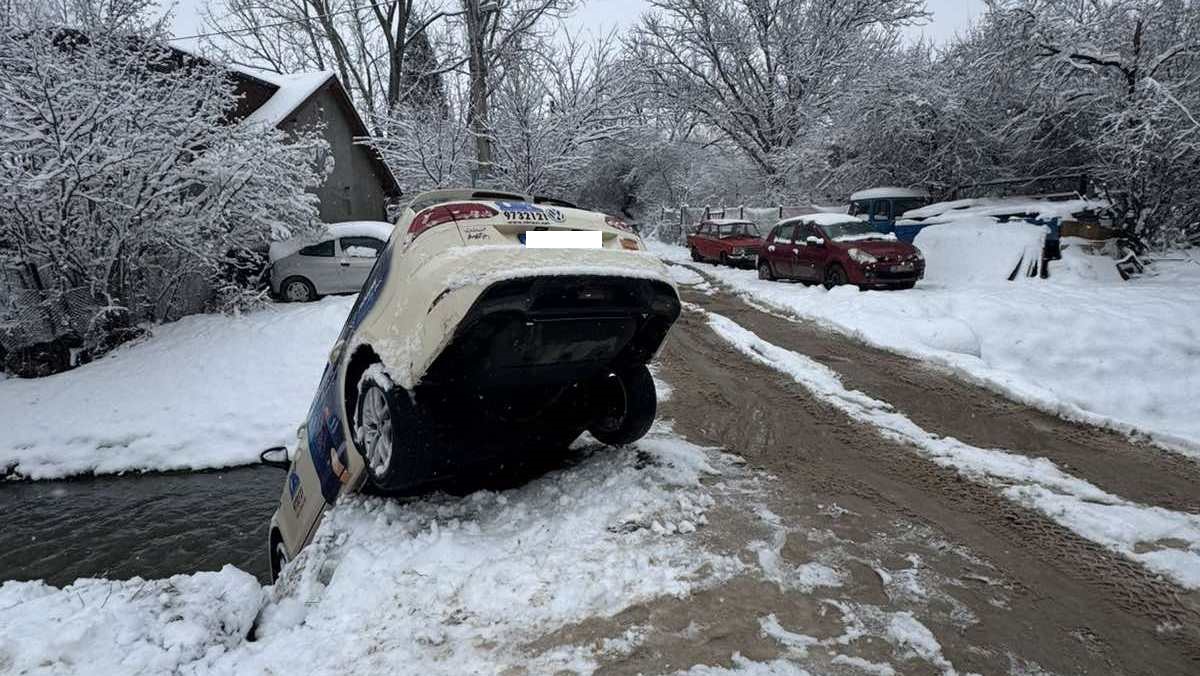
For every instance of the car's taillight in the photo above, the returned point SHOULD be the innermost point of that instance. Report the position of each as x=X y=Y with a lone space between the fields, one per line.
x=449 y=213
x=614 y=222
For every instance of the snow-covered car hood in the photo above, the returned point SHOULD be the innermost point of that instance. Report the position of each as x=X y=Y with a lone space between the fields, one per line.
x=879 y=247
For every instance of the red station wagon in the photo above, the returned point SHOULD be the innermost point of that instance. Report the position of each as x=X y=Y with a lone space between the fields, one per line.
x=836 y=249
x=727 y=242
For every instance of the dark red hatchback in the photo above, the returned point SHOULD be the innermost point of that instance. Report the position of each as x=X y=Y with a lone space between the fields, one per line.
x=728 y=242
x=836 y=249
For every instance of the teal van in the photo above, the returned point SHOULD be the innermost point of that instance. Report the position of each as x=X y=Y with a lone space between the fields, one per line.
x=882 y=207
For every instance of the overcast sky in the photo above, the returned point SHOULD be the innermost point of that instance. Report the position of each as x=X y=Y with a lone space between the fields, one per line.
x=949 y=16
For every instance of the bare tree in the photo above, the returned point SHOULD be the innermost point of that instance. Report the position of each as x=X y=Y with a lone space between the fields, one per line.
x=764 y=73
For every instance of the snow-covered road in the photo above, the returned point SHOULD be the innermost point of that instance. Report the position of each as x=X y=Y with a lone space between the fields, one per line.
x=1112 y=353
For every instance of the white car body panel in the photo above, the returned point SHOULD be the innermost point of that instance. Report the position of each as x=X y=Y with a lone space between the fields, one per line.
x=432 y=282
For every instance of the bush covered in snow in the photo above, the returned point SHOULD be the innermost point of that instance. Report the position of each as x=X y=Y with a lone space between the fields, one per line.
x=126 y=194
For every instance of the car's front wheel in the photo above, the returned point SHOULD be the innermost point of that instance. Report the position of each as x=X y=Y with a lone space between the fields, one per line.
x=385 y=418
x=835 y=275
x=696 y=255
x=298 y=290
x=628 y=402
x=279 y=555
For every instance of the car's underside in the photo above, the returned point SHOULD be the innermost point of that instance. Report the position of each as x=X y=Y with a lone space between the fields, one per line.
x=524 y=371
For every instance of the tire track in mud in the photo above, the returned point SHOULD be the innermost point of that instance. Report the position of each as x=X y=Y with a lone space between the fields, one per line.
x=1076 y=606
x=944 y=404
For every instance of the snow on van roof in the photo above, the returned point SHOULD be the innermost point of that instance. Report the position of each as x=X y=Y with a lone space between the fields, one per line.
x=376 y=229
x=877 y=193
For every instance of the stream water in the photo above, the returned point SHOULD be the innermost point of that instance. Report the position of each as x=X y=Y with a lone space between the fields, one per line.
x=137 y=525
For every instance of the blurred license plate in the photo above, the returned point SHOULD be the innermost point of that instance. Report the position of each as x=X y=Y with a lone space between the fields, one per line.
x=564 y=239
x=903 y=267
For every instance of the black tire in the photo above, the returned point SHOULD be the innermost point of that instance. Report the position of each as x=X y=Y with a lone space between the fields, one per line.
x=629 y=402
x=278 y=555
x=297 y=290
x=387 y=430
x=724 y=259
x=764 y=271
x=905 y=286
x=696 y=255
x=835 y=276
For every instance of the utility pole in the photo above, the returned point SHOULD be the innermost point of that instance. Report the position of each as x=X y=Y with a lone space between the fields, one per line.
x=477 y=15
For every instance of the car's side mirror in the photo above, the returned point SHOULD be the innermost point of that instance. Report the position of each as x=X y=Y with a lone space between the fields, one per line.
x=276 y=456
x=813 y=240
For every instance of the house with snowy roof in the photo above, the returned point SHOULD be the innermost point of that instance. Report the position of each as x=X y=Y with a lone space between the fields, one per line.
x=361 y=184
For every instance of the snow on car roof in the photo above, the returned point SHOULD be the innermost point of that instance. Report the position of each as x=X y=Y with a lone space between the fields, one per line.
x=1005 y=206
x=824 y=219
x=729 y=221
x=877 y=193
x=376 y=229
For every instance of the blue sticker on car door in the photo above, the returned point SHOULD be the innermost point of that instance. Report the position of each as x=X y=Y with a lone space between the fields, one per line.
x=326 y=434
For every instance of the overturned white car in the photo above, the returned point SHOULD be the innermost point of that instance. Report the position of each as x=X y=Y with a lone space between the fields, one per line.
x=466 y=348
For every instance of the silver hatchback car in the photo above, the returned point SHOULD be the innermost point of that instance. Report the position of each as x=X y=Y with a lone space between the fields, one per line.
x=338 y=261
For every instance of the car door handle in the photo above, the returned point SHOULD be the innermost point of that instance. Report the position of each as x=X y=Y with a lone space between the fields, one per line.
x=344 y=264
x=796 y=251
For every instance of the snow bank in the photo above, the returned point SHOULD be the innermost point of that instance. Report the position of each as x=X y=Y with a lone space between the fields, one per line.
x=457 y=586
x=981 y=250
x=130 y=627
x=205 y=391
x=438 y=585
x=1004 y=206
x=1121 y=355
x=1164 y=541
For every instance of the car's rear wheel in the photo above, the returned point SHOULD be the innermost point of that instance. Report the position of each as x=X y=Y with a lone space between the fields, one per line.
x=835 y=275
x=765 y=272
x=724 y=258
x=628 y=402
x=905 y=286
x=696 y=255
x=298 y=290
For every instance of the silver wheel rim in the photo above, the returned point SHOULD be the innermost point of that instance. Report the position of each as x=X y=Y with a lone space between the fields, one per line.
x=297 y=291
x=376 y=431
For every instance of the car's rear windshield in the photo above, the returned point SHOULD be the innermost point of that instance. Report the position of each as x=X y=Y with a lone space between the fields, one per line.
x=848 y=229
x=737 y=230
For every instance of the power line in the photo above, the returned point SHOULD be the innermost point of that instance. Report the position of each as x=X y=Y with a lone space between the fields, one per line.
x=278 y=24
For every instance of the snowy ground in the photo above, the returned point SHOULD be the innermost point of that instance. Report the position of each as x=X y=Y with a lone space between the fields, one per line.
x=473 y=585
x=1164 y=541
x=206 y=391
x=1081 y=345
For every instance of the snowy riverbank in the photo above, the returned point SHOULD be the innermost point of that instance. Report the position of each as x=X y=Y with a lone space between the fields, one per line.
x=206 y=391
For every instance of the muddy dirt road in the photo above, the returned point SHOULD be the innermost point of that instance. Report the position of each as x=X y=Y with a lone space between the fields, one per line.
x=1003 y=589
